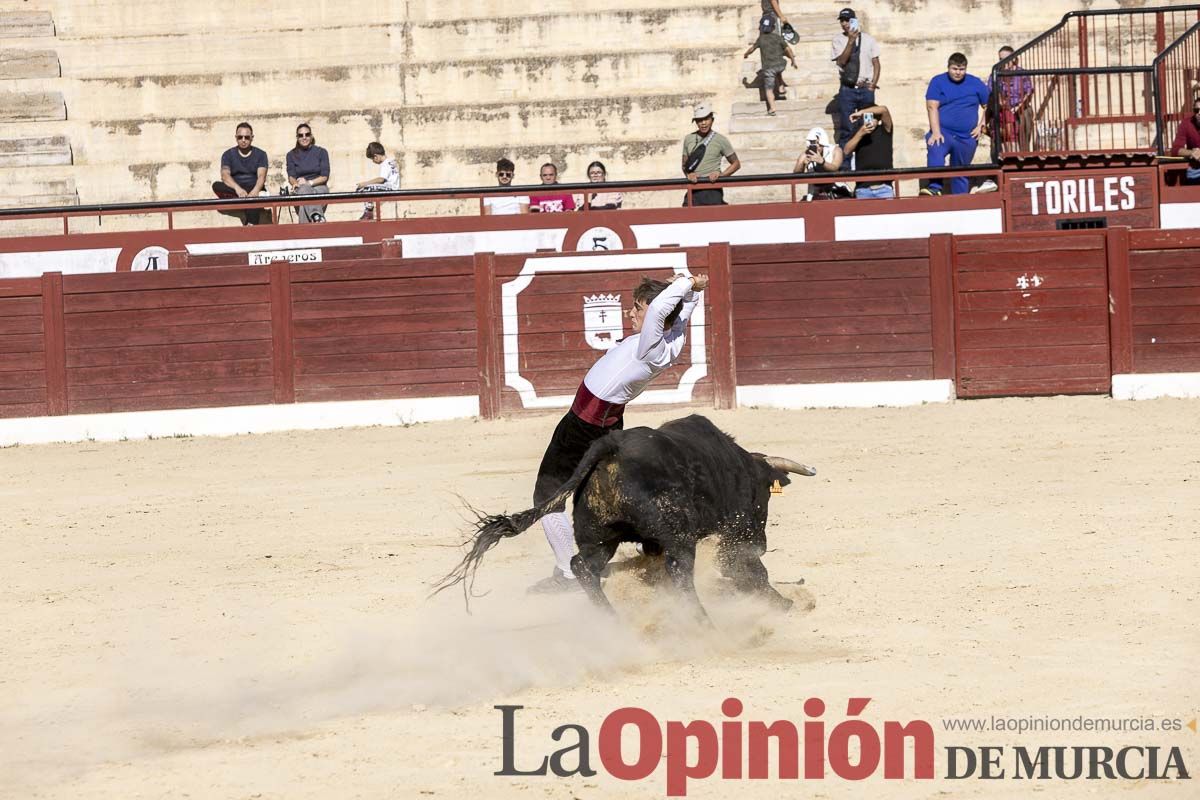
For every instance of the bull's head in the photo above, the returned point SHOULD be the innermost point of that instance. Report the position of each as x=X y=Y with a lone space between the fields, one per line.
x=777 y=470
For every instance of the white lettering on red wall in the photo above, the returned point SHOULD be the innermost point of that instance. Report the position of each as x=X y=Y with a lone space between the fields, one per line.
x=1081 y=195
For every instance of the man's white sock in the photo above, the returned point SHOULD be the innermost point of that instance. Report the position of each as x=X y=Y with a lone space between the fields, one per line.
x=561 y=537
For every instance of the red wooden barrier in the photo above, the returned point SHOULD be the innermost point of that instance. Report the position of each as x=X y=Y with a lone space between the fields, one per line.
x=391 y=328
x=1032 y=314
x=825 y=312
x=1164 y=275
x=23 y=359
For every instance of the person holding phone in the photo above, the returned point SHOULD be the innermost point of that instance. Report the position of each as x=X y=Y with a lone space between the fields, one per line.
x=856 y=54
x=871 y=149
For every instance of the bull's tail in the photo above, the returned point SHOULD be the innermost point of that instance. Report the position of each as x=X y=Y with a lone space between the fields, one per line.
x=490 y=529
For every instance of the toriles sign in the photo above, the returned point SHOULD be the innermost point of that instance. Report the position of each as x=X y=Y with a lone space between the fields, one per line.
x=1078 y=198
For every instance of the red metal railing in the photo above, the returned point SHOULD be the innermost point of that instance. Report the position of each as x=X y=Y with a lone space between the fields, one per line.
x=1092 y=82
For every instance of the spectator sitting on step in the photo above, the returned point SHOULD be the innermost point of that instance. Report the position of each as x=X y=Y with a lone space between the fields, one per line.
x=871 y=149
x=601 y=201
x=856 y=53
x=308 y=171
x=772 y=50
x=243 y=174
x=821 y=155
x=955 y=102
x=497 y=205
x=551 y=203
x=1187 y=144
x=388 y=180
x=703 y=150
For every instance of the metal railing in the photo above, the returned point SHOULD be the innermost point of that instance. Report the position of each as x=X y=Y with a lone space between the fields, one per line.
x=1094 y=82
x=794 y=183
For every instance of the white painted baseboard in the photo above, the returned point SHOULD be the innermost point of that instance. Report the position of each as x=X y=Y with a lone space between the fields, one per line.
x=1152 y=385
x=233 y=420
x=846 y=395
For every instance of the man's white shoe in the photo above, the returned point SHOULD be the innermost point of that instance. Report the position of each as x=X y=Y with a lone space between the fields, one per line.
x=987 y=186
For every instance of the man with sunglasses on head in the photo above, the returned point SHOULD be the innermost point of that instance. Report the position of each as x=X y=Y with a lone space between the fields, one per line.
x=243 y=174
x=308 y=171
x=1187 y=144
x=505 y=205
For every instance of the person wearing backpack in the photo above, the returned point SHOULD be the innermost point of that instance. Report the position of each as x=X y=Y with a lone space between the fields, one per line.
x=775 y=53
x=703 y=151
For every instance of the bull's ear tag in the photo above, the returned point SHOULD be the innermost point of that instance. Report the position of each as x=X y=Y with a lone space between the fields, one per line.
x=776 y=488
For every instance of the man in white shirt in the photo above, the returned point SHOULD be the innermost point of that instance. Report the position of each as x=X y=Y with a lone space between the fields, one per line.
x=857 y=56
x=505 y=170
x=659 y=319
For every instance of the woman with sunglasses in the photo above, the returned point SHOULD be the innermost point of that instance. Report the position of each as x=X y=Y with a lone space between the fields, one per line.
x=308 y=171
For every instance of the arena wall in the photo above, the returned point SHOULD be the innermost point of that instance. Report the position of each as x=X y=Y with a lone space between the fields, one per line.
x=872 y=323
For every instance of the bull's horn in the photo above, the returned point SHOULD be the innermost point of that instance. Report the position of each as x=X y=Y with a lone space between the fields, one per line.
x=787 y=465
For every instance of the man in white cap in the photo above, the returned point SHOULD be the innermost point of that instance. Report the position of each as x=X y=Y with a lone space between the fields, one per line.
x=820 y=155
x=703 y=151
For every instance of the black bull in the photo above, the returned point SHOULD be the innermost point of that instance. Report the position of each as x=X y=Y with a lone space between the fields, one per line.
x=667 y=488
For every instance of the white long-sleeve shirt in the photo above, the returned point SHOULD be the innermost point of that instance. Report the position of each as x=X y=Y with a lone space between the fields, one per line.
x=624 y=371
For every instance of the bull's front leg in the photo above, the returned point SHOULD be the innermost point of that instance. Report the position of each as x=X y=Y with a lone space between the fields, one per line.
x=681 y=566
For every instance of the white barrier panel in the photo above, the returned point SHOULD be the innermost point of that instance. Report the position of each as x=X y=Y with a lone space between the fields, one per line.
x=234 y=420
x=869 y=394
x=1156 y=384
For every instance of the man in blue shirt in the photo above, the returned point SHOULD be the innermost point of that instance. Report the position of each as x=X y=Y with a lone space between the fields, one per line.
x=955 y=102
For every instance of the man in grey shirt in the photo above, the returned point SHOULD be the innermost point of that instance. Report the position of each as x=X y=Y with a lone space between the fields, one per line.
x=308 y=171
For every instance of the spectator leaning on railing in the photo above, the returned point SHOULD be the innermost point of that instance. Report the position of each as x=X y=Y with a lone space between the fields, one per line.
x=821 y=155
x=703 y=150
x=1187 y=144
x=497 y=206
x=551 y=203
x=955 y=102
x=871 y=149
x=601 y=201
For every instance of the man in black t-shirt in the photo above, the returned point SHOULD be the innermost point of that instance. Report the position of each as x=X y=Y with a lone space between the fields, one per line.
x=243 y=174
x=871 y=149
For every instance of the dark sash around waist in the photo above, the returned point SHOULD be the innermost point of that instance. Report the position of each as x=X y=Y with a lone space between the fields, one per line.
x=594 y=411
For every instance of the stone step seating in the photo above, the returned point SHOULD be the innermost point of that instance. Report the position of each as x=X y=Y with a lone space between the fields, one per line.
x=32 y=106
x=37 y=151
x=17 y=64
x=37 y=192
x=383 y=86
x=25 y=24
x=430 y=130
x=106 y=18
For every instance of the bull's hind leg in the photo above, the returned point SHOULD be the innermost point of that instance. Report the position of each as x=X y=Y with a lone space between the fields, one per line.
x=742 y=562
x=587 y=566
x=681 y=566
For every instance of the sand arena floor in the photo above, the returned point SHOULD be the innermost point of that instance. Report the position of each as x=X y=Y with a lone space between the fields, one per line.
x=246 y=617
